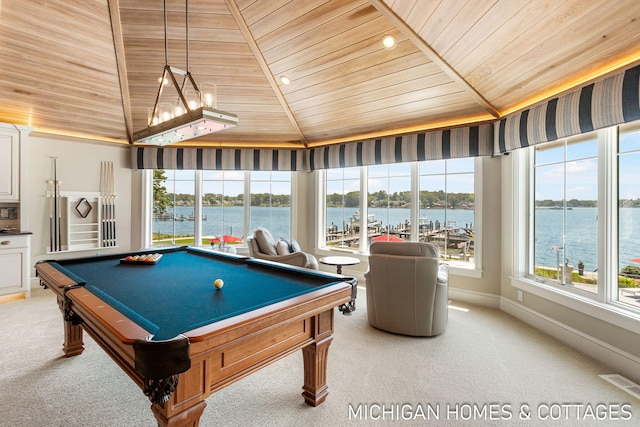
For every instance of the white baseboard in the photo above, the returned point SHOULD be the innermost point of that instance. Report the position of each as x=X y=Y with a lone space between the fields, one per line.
x=473 y=297
x=624 y=363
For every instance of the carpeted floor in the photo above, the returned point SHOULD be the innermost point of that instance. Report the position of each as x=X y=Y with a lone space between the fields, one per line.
x=486 y=369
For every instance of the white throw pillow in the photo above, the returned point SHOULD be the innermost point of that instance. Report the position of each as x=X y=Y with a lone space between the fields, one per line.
x=266 y=242
x=282 y=248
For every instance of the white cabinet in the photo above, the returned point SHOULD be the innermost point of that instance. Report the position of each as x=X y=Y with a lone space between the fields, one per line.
x=9 y=163
x=15 y=250
x=15 y=263
x=13 y=171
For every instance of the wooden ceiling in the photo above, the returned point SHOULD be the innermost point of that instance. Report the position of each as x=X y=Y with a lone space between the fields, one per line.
x=89 y=68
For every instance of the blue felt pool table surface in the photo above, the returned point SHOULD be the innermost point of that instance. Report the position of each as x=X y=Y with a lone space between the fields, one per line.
x=177 y=294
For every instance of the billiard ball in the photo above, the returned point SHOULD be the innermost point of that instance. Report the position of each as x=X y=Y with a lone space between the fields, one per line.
x=218 y=283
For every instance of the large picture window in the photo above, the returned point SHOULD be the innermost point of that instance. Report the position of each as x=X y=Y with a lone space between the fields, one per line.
x=437 y=195
x=584 y=207
x=204 y=207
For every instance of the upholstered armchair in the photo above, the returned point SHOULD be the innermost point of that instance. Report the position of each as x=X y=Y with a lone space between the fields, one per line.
x=407 y=288
x=262 y=245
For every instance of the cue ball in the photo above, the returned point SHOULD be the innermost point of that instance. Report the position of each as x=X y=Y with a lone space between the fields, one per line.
x=218 y=283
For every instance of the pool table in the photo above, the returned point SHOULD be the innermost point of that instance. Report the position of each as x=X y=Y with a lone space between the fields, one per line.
x=180 y=338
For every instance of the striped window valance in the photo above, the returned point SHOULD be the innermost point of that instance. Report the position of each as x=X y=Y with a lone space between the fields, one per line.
x=193 y=158
x=470 y=141
x=607 y=102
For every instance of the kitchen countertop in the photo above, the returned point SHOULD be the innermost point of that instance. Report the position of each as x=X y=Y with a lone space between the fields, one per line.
x=4 y=232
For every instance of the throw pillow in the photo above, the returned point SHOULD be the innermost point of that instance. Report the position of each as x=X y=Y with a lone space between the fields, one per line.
x=282 y=247
x=295 y=247
x=265 y=241
x=282 y=239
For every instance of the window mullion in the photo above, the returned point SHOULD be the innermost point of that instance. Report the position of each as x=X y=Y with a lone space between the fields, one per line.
x=415 y=201
x=197 y=208
x=607 y=210
x=364 y=209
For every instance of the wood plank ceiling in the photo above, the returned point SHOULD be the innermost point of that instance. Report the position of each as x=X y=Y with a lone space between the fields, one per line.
x=89 y=68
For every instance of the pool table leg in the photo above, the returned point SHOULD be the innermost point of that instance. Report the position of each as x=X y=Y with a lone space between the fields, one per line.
x=315 y=389
x=73 y=344
x=190 y=417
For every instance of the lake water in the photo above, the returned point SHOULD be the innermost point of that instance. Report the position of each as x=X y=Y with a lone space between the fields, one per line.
x=580 y=243
x=580 y=239
x=277 y=219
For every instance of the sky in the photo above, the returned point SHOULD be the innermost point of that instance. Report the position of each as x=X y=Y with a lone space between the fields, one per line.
x=580 y=172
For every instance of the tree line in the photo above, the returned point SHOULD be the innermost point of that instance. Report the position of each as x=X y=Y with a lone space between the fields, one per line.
x=400 y=199
x=575 y=203
x=163 y=200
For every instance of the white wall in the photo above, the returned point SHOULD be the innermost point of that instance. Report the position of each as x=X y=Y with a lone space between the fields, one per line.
x=78 y=167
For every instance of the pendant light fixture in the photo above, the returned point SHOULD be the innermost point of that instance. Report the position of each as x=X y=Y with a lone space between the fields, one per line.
x=192 y=113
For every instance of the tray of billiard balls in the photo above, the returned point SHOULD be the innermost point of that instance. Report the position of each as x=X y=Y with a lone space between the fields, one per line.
x=144 y=259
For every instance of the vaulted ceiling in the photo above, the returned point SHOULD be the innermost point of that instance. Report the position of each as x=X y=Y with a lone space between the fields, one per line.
x=90 y=68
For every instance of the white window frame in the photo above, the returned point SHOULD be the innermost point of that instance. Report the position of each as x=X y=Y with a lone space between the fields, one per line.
x=603 y=305
x=146 y=192
x=474 y=270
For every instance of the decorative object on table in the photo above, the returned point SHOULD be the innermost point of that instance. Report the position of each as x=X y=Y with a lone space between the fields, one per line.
x=144 y=259
x=108 y=199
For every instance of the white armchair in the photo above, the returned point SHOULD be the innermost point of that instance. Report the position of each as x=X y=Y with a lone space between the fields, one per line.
x=262 y=245
x=407 y=288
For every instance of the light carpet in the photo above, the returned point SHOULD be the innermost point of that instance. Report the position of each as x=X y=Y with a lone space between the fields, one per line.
x=486 y=369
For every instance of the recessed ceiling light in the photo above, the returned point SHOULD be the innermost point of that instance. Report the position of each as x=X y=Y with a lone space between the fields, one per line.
x=389 y=42
x=285 y=80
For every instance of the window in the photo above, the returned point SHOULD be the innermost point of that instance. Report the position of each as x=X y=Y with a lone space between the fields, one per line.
x=222 y=203
x=585 y=219
x=198 y=206
x=173 y=207
x=439 y=196
x=342 y=207
x=447 y=207
x=629 y=218
x=271 y=202
x=389 y=201
x=566 y=213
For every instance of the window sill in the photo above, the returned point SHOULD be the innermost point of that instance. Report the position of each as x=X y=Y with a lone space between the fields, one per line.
x=607 y=312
